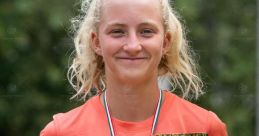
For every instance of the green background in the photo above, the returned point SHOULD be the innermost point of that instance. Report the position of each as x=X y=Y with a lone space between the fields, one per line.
x=36 y=43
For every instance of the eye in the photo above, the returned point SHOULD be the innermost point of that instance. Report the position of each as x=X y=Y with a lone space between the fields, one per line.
x=117 y=33
x=147 y=32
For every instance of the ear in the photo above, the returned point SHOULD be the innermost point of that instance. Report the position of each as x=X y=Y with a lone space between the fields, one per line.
x=95 y=43
x=167 y=42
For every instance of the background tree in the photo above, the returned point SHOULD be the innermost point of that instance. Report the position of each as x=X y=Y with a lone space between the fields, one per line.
x=35 y=45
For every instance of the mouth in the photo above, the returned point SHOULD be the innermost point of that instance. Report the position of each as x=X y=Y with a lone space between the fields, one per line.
x=132 y=58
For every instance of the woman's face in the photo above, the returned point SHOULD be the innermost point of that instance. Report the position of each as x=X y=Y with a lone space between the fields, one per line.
x=130 y=39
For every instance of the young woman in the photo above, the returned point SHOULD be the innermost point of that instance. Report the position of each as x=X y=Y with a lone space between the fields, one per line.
x=122 y=47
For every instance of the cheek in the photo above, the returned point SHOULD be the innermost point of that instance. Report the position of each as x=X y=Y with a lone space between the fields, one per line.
x=109 y=47
x=155 y=46
x=106 y=44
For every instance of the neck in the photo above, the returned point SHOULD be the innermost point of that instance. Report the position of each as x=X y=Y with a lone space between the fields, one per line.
x=132 y=102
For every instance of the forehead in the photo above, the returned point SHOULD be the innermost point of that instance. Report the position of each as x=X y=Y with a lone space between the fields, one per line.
x=131 y=8
x=130 y=2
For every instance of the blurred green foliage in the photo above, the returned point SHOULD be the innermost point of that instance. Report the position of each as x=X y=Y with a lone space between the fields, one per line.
x=35 y=46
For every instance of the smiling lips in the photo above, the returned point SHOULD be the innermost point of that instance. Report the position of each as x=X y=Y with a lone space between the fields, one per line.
x=131 y=58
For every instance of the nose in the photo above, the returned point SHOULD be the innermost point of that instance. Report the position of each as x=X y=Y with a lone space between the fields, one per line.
x=132 y=44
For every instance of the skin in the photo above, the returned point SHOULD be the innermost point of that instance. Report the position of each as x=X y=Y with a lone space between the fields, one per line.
x=131 y=39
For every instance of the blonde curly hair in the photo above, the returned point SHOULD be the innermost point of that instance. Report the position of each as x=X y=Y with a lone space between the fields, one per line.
x=86 y=72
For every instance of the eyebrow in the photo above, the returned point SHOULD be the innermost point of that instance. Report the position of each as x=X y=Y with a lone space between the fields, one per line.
x=115 y=24
x=148 y=23
x=123 y=25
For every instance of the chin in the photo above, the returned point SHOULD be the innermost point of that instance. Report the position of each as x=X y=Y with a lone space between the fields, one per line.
x=134 y=76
